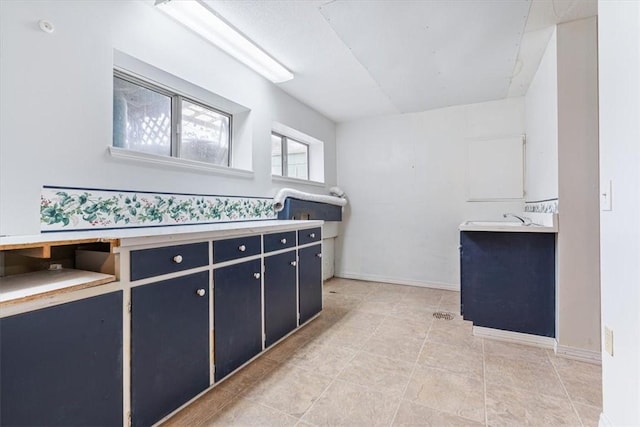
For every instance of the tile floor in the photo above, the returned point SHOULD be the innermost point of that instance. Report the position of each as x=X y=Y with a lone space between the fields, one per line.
x=376 y=356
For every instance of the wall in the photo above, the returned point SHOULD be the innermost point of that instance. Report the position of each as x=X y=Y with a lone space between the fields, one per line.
x=619 y=68
x=541 y=121
x=56 y=104
x=578 y=250
x=404 y=176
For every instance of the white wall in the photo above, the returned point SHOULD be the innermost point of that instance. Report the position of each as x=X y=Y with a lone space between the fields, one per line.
x=56 y=104
x=541 y=121
x=619 y=68
x=578 y=249
x=404 y=176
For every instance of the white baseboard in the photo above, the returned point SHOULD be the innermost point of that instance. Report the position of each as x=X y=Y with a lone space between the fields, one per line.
x=395 y=281
x=604 y=421
x=514 y=337
x=580 y=354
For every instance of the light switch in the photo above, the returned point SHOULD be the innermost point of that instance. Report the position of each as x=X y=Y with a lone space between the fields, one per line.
x=608 y=340
x=605 y=196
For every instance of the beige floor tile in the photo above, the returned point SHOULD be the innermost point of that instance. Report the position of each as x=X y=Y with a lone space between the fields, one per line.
x=516 y=351
x=287 y=348
x=534 y=377
x=447 y=392
x=395 y=326
x=322 y=359
x=362 y=320
x=200 y=412
x=289 y=389
x=461 y=360
x=452 y=332
x=245 y=413
x=377 y=306
x=346 y=404
x=509 y=406
x=396 y=347
x=347 y=302
x=589 y=415
x=413 y=311
x=411 y=414
x=583 y=381
x=249 y=375
x=342 y=336
x=380 y=373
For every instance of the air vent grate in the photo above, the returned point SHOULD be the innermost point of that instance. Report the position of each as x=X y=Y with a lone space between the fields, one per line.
x=443 y=315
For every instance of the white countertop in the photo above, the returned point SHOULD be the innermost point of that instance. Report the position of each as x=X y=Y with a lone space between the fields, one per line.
x=540 y=223
x=148 y=235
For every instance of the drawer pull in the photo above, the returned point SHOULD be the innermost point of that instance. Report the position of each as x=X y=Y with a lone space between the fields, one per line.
x=242 y=248
x=319 y=255
x=177 y=259
x=312 y=235
x=283 y=241
x=293 y=263
x=256 y=275
x=200 y=292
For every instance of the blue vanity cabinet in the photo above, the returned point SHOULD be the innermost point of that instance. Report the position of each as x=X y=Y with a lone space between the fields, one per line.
x=508 y=281
x=310 y=281
x=169 y=345
x=237 y=315
x=62 y=365
x=280 y=296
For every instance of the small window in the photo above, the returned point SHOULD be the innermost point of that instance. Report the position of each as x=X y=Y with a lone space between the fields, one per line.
x=289 y=157
x=152 y=119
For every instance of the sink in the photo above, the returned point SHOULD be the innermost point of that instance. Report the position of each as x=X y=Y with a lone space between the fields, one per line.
x=511 y=226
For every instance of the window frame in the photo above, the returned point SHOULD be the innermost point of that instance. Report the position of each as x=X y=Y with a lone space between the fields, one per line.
x=284 y=153
x=176 y=113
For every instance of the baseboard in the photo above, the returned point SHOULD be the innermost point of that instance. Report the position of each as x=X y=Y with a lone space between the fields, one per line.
x=395 y=281
x=604 y=421
x=514 y=337
x=580 y=354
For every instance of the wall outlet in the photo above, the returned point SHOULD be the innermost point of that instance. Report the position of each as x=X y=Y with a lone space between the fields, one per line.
x=608 y=340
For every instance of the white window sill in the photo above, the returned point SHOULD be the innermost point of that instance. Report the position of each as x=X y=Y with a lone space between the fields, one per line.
x=192 y=165
x=278 y=178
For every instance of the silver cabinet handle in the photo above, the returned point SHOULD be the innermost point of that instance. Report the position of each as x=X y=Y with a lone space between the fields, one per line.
x=293 y=263
x=256 y=275
x=319 y=255
x=201 y=292
x=283 y=241
x=242 y=248
x=312 y=235
x=177 y=259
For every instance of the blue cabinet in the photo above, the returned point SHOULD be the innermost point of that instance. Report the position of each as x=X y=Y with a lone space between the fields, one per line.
x=280 y=305
x=508 y=281
x=237 y=315
x=63 y=365
x=310 y=280
x=169 y=345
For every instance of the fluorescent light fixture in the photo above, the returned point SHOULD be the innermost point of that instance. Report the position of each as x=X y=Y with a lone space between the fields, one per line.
x=202 y=20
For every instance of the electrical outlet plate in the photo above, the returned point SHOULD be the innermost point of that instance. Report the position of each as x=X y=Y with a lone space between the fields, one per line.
x=608 y=340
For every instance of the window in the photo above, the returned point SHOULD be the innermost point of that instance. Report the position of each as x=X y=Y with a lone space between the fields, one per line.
x=155 y=120
x=289 y=157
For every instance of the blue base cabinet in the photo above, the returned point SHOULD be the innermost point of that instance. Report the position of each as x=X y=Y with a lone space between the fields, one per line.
x=169 y=345
x=310 y=281
x=508 y=281
x=237 y=315
x=280 y=305
x=62 y=366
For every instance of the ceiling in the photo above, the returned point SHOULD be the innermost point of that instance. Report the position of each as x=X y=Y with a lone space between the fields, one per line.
x=355 y=58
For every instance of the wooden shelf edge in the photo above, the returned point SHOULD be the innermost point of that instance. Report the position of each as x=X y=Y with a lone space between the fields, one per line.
x=43 y=249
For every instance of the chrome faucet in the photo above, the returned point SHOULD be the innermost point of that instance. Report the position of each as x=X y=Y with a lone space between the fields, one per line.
x=523 y=219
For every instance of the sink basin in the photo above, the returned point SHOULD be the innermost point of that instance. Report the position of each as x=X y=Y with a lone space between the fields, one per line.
x=507 y=226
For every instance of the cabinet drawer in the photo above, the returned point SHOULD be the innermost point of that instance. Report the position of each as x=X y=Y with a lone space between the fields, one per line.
x=309 y=236
x=154 y=262
x=276 y=241
x=226 y=250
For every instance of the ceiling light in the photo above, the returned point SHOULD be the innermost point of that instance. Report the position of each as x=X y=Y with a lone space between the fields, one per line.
x=202 y=20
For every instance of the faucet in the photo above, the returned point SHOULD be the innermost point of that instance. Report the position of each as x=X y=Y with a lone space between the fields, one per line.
x=523 y=219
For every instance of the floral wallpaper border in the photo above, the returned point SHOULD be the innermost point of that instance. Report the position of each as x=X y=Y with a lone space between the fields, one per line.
x=73 y=209
x=542 y=206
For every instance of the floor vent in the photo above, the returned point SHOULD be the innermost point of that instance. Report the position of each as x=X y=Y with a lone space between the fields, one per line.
x=443 y=315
